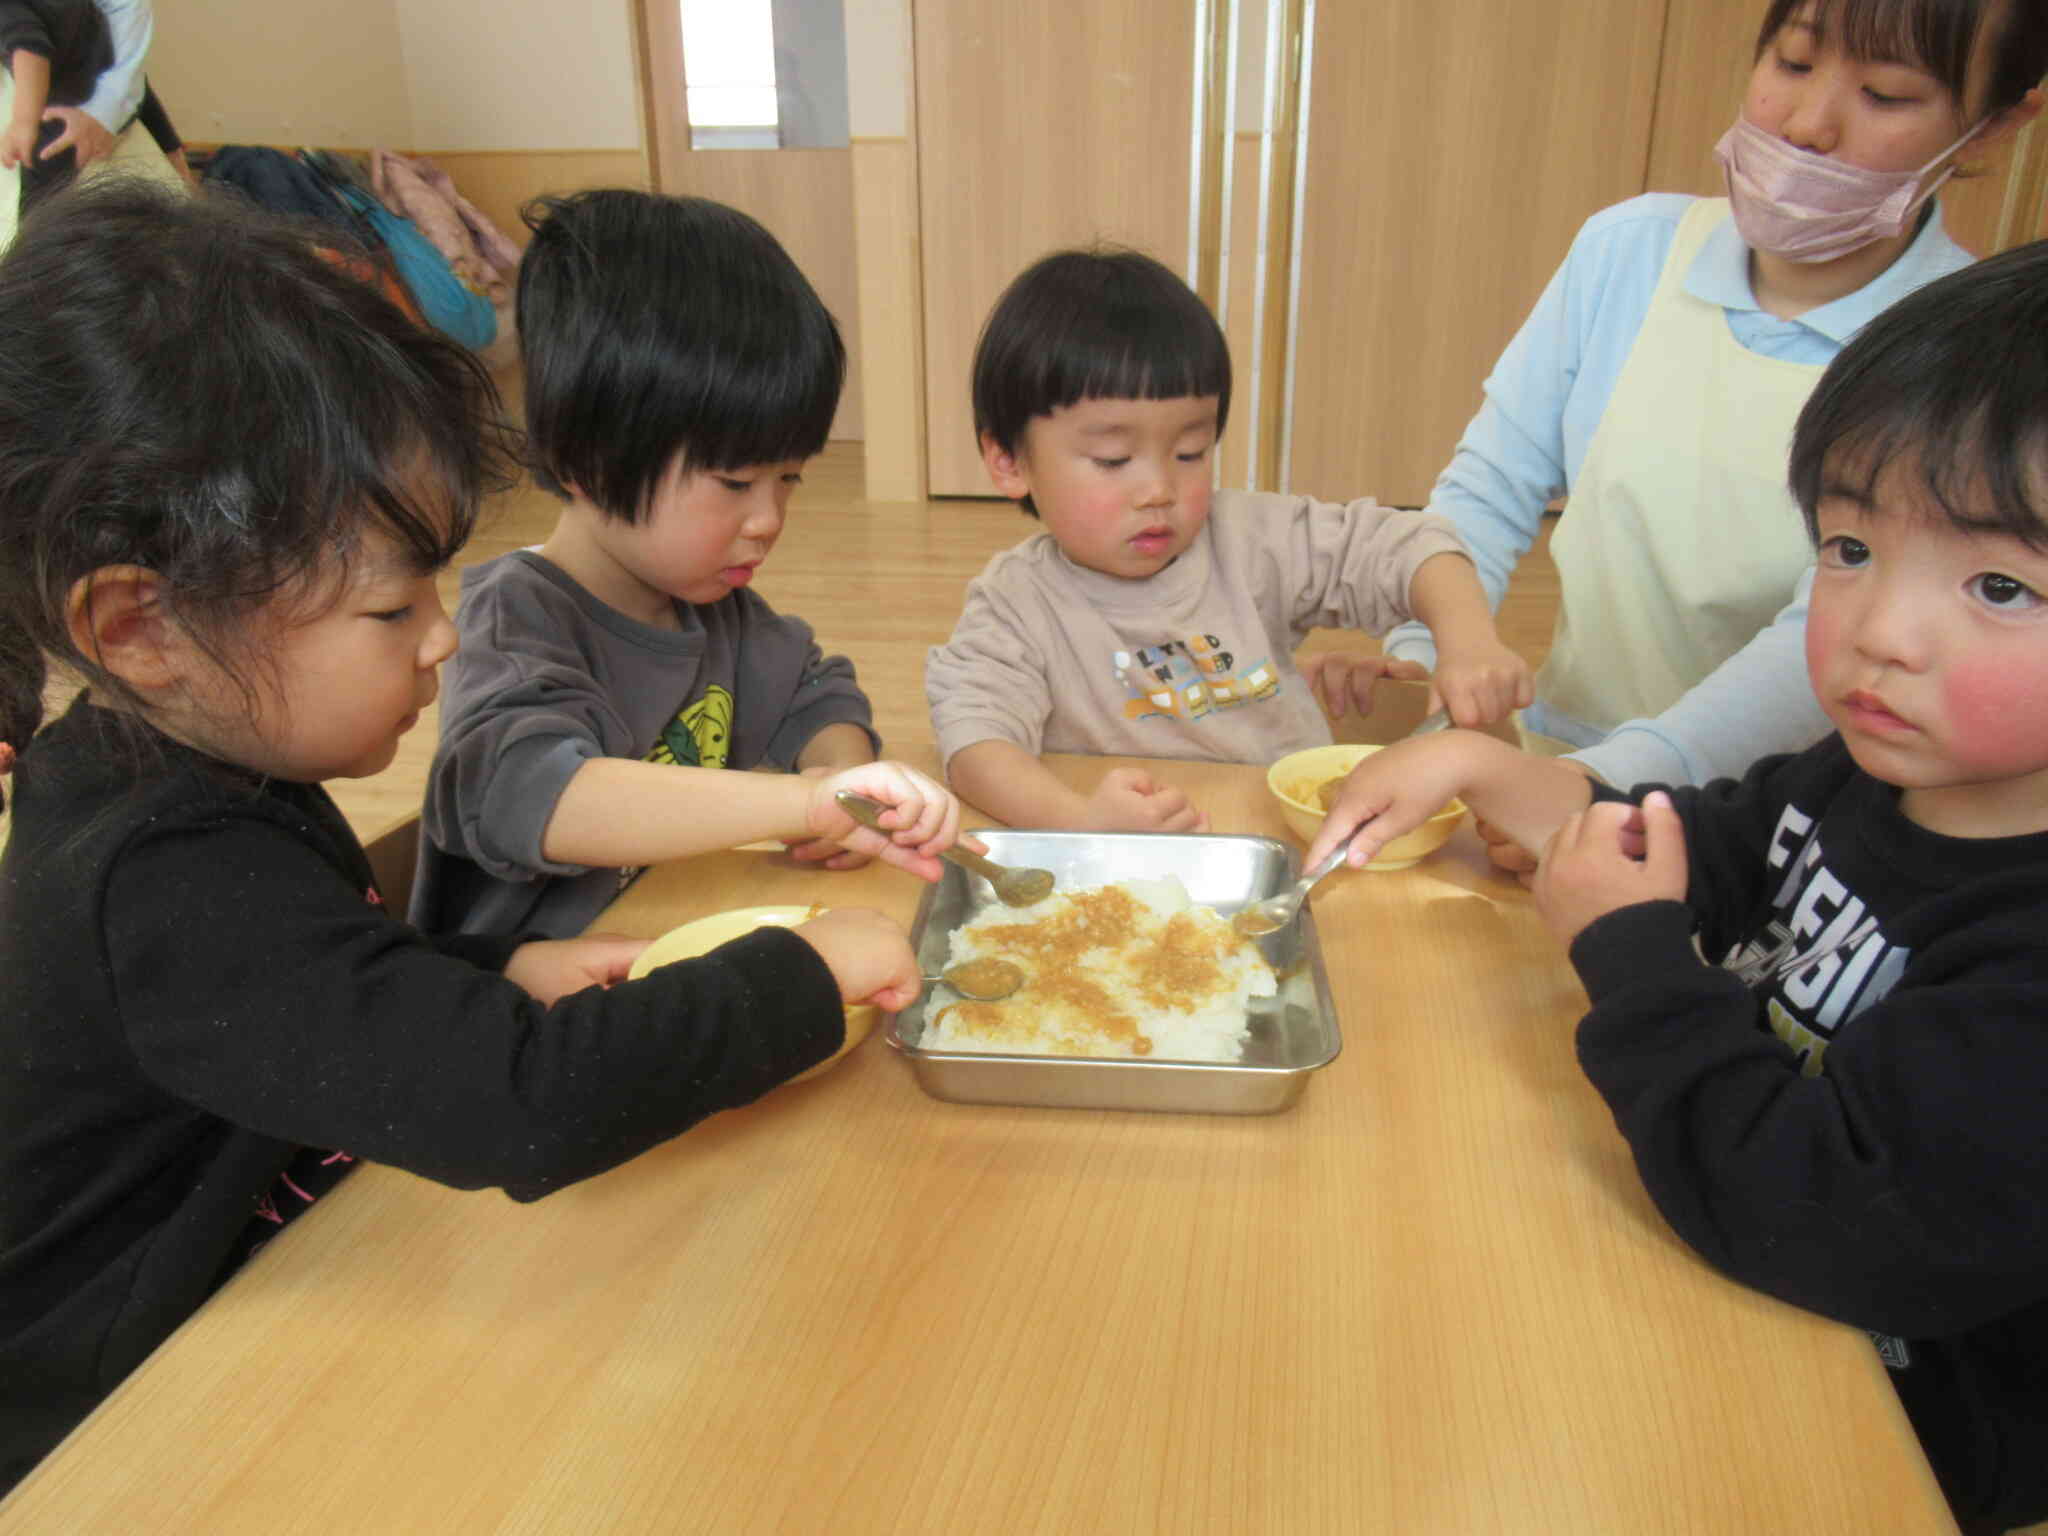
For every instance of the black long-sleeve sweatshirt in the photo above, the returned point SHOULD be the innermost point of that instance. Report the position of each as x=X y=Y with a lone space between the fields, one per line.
x=1845 y=1104
x=202 y=999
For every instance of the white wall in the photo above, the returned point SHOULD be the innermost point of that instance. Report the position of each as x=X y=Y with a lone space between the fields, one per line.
x=878 y=68
x=283 y=71
x=422 y=74
x=521 y=74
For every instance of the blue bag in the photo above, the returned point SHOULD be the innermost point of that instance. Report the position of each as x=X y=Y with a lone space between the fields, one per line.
x=448 y=304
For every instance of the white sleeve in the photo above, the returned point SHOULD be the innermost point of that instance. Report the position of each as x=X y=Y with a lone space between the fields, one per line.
x=118 y=92
x=1755 y=703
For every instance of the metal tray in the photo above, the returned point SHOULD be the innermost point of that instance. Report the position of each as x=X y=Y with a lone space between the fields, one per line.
x=1291 y=1035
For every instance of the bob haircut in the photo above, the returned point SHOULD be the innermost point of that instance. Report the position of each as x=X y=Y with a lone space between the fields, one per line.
x=661 y=332
x=217 y=394
x=1938 y=36
x=1105 y=323
x=1948 y=386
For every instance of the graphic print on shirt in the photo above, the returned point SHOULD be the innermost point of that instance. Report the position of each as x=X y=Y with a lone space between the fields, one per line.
x=700 y=736
x=1821 y=959
x=1186 y=679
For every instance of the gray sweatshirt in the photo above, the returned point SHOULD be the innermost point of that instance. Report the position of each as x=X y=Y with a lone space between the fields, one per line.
x=546 y=678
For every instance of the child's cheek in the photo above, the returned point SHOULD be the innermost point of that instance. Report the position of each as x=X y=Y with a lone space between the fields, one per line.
x=1997 y=713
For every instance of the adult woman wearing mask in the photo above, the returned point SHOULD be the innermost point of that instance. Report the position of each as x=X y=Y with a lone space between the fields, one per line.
x=1658 y=379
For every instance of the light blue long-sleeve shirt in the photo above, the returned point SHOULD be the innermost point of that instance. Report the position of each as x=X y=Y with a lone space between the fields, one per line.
x=118 y=92
x=1544 y=401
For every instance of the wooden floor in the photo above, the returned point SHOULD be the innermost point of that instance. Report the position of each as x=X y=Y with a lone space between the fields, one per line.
x=880 y=582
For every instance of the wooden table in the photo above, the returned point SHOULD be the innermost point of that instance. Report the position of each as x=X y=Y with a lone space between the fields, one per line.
x=1432 y=1297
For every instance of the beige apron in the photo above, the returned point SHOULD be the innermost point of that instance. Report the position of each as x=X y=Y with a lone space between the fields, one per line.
x=1680 y=540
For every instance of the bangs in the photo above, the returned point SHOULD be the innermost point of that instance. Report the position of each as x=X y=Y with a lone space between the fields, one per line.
x=1101 y=324
x=1986 y=476
x=1932 y=35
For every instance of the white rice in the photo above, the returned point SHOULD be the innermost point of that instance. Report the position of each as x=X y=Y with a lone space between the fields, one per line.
x=1131 y=970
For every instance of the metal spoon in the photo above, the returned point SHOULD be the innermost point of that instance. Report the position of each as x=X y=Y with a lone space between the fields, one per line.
x=982 y=981
x=1013 y=887
x=1276 y=912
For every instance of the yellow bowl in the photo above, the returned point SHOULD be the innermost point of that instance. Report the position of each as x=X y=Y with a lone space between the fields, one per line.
x=1296 y=779
x=707 y=933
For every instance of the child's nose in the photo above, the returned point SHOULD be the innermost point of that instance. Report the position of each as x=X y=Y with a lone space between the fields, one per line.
x=763 y=519
x=1891 y=629
x=1157 y=490
x=439 y=642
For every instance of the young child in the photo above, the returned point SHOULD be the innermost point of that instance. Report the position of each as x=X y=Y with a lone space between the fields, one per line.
x=1153 y=617
x=227 y=474
x=679 y=371
x=1841 y=1103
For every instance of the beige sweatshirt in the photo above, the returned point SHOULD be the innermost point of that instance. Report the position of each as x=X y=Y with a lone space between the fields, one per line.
x=1195 y=662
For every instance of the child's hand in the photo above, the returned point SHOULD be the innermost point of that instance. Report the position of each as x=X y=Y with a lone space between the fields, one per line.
x=1479 y=683
x=1395 y=789
x=1611 y=856
x=1343 y=681
x=549 y=969
x=1131 y=800
x=923 y=816
x=868 y=955
x=1504 y=852
x=17 y=144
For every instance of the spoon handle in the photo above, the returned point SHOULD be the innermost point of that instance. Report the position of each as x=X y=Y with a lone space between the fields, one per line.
x=869 y=814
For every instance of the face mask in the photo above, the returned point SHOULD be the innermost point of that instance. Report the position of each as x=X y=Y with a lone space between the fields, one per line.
x=1807 y=207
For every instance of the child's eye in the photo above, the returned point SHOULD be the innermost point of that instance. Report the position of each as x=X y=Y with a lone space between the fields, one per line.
x=1846 y=552
x=2007 y=592
x=393 y=615
x=1194 y=456
x=734 y=484
x=1112 y=463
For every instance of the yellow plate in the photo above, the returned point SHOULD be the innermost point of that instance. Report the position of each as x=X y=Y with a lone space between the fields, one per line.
x=1295 y=779
x=707 y=933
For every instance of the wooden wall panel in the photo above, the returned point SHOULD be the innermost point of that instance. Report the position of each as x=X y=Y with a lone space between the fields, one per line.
x=501 y=181
x=1454 y=149
x=1037 y=129
x=805 y=198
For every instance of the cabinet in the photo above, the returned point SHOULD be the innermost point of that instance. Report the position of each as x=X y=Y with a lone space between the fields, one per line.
x=1451 y=149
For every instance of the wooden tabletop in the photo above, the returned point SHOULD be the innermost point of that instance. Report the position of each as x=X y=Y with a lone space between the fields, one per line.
x=1430 y=1297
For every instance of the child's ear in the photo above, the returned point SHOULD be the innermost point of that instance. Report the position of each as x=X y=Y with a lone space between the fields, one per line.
x=116 y=617
x=1004 y=469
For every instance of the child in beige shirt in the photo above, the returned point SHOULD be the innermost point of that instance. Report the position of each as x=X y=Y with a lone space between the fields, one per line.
x=1153 y=616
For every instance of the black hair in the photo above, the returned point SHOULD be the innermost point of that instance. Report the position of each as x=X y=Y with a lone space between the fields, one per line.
x=659 y=331
x=220 y=396
x=1940 y=35
x=1102 y=323
x=1949 y=385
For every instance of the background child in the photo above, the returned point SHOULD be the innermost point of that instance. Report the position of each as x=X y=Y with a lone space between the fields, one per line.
x=227 y=472
x=1657 y=380
x=1153 y=617
x=1841 y=1104
x=679 y=371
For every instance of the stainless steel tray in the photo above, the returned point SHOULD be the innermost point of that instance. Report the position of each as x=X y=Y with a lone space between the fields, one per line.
x=1291 y=1035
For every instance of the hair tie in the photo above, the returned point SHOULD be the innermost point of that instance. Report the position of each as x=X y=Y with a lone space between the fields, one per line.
x=6 y=759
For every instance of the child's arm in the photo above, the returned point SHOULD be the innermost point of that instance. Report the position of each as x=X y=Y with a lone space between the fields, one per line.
x=616 y=811
x=1399 y=787
x=839 y=745
x=1016 y=788
x=1478 y=679
x=31 y=71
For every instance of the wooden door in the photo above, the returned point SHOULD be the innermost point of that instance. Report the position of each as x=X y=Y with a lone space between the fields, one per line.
x=1038 y=128
x=1454 y=148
